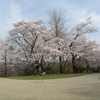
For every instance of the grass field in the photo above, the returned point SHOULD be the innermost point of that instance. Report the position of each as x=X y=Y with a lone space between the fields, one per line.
x=50 y=76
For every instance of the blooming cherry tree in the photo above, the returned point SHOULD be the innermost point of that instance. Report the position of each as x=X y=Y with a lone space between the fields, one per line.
x=78 y=43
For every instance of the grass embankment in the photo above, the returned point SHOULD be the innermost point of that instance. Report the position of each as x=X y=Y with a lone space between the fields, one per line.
x=50 y=76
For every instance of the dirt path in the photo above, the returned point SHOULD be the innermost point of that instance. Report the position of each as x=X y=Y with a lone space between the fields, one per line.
x=78 y=88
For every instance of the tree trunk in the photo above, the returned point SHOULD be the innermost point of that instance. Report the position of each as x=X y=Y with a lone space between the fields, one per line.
x=5 y=62
x=42 y=64
x=37 y=68
x=73 y=64
x=60 y=65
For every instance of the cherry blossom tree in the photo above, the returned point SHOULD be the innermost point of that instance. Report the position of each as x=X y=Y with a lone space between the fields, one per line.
x=6 y=56
x=78 y=44
x=94 y=59
x=33 y=41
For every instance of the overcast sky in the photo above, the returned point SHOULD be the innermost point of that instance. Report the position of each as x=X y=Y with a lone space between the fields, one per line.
x=12 y=11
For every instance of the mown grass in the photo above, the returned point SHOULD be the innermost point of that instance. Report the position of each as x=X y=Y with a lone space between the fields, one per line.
x=50 y=76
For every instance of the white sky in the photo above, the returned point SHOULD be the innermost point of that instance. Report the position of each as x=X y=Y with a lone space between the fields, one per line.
x=77 y=11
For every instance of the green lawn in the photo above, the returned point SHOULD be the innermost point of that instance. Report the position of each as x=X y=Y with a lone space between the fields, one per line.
x=50 y=76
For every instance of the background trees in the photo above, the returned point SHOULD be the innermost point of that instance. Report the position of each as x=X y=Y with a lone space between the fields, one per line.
x=35 y=47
